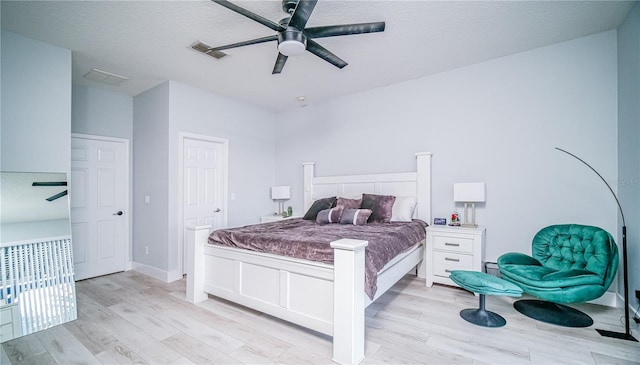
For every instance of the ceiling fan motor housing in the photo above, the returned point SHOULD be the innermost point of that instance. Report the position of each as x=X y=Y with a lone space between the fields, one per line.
x=292 y=42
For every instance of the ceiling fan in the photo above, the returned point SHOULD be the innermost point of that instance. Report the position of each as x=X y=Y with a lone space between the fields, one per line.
x=52 y=183
x=293 y=38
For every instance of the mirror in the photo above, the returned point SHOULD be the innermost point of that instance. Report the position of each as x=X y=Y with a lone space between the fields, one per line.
x=37 y=288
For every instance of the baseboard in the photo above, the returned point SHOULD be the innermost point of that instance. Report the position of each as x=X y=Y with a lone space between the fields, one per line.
x=609 y=299
x=633 y=310
x=154 y=272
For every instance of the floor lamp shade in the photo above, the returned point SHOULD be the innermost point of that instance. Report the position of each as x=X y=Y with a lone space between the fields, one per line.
x=469 y=193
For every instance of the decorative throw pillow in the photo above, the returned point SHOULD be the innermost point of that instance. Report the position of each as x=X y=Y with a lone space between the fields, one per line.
x=380 y=205
x=317 y=206
x=357 y=217
x=329 y=215
x=348 y=203
x=403 y=209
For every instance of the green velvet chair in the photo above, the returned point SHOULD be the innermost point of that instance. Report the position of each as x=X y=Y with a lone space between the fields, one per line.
x=570 y=263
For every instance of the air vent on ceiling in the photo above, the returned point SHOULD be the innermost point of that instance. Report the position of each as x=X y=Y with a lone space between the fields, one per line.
x=206 y=49
x=105 y=77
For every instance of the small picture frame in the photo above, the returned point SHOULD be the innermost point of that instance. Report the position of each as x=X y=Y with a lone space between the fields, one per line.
x=440 y=221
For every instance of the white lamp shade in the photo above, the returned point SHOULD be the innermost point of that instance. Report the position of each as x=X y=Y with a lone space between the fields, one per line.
x=280 y=192
x=469 y=192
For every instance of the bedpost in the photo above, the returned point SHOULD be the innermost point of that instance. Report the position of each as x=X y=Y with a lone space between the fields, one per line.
x=423 y=170
x=308 y=170
x=196 y=239
x=423 y=196
x=348 y=300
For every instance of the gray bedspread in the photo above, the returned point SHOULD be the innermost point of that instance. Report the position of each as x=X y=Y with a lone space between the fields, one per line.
x=308 y=240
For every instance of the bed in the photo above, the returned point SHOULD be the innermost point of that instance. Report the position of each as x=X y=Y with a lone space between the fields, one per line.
x=328 y=298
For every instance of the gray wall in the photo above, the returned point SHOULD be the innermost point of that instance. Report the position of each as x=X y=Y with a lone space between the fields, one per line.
x=36 y=106
x=628 y=145
x=497 y=122
x=100 y=112
x=151 y=177
x=160 y=115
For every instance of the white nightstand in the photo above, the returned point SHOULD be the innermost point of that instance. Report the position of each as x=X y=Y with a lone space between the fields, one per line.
x=453 y=248
x=274 y=218
x=9 y=322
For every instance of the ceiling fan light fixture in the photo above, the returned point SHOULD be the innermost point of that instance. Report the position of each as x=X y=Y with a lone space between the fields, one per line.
x=292 y=42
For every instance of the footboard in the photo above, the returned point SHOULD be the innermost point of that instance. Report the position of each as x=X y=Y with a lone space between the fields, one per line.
x=326 y=298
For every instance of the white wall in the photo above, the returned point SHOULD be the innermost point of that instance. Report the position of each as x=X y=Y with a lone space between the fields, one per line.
x=496 y=121
x=160 y=115
x=36 y=106
x=628 y=145
x=101 y=112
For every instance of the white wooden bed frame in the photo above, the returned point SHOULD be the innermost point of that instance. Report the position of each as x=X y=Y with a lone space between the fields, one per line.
x=326 y=298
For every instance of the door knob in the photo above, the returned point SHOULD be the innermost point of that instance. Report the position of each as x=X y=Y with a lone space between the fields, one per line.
x=118 y=213
x=217 y=210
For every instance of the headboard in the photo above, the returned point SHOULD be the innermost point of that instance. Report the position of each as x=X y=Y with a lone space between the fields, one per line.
x=416 y=183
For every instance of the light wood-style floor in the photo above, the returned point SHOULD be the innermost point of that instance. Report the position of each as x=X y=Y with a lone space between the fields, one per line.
x=130 y=318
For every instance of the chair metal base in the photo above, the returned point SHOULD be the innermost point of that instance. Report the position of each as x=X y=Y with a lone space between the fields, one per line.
x=481 y=316
x=553 y=313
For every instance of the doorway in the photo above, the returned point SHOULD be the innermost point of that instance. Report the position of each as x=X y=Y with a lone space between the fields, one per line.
x=203 y=184
x=99 y=199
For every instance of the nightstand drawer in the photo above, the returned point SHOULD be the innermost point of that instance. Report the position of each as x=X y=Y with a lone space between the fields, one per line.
x=445 y=262
x=453 y=242
x=6 y=315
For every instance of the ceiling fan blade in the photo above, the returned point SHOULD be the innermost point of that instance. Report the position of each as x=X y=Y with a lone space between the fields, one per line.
x=56 y=196
x=245 y=43
x=302 y=13
x=280 y=61
x=323 y=53
x=253 y=16
x=346 y=29
x=49 y=183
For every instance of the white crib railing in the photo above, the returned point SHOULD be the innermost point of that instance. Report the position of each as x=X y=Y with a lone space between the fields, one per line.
x=39 y=276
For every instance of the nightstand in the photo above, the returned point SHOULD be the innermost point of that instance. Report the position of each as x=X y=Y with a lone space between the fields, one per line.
x=274 y=218
x=452 y=248
x=9 y=321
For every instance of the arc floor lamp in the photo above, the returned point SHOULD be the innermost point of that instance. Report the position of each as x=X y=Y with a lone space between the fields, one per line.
x=627 y=334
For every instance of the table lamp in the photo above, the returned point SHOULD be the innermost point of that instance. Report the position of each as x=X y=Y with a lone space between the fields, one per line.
x=469 y=193
x=280 y=194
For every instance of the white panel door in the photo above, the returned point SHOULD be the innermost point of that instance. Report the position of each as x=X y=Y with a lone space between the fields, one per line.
x=99 y=201
x=203 y=185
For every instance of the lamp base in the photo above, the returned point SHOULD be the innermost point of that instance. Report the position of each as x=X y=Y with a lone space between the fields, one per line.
x=618 y=335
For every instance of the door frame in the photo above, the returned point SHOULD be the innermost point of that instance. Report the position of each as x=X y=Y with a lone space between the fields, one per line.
x=225 y=186
x=129 y=186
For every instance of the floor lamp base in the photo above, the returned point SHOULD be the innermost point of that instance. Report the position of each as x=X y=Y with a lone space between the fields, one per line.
x=618 y=335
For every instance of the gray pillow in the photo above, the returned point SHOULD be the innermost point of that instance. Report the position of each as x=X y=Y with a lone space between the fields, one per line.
x=329 y=215
x=348 y=203
x=380 y=205
x=357 y=217
x=317 y=206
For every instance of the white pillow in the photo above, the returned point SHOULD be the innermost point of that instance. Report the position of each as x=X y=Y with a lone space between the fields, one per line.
x=403 y=208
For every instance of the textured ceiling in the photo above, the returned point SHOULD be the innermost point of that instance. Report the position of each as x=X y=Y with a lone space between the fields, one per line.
x=148 y=41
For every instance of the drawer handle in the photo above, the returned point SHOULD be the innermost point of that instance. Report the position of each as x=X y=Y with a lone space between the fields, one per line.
x=447 y=270
x=452 y=244
x=450 y=259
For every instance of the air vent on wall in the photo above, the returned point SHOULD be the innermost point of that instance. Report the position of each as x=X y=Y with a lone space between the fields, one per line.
x=104 y=77
x=206 y=49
